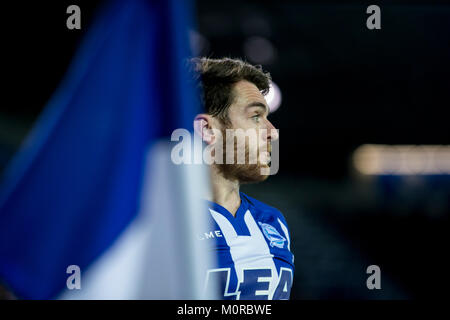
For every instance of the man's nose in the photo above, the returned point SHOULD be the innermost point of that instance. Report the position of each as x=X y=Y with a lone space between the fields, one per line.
x=272 y=133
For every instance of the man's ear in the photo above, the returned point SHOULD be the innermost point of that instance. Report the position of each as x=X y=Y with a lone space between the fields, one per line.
x=203 y=127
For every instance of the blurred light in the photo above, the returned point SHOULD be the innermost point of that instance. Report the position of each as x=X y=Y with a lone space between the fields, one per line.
x=374 y=159
x=273 y=97
x=259 y=50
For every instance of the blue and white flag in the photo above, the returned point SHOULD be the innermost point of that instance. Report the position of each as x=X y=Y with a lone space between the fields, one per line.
x=93 y=186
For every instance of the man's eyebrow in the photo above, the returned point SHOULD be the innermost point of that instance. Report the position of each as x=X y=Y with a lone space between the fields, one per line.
x=258 y=104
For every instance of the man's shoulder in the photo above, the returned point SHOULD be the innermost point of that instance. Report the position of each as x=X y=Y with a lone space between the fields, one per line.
x=262 y=209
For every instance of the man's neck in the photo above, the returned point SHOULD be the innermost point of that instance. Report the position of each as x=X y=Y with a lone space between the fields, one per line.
x=225 y=192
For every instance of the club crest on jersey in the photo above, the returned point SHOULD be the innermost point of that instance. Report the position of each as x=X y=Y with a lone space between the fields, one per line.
x=274 y=237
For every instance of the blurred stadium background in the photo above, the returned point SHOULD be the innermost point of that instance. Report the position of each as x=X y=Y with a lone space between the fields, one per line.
x=342 y=86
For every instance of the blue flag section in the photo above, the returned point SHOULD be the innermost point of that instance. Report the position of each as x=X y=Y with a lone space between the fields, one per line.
x=75 y=185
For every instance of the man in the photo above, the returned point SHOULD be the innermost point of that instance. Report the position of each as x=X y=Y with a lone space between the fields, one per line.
x=251 y=239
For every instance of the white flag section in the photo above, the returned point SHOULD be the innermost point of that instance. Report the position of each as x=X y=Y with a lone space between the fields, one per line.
x=159 y=255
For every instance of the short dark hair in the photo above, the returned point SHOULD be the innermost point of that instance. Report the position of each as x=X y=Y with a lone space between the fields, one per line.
x=217 y=77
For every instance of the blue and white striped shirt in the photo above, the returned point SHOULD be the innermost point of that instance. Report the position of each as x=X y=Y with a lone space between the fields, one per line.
x=254 y=260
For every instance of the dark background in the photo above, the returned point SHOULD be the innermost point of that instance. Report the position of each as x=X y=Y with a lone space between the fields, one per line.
x=343 y=85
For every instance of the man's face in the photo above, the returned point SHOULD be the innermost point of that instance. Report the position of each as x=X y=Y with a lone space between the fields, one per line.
x=249 y=113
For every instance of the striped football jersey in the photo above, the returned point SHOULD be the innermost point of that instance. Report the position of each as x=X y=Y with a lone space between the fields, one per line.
x=254 y=260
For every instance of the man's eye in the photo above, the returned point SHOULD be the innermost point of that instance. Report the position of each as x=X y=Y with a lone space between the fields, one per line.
x=256 y=117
